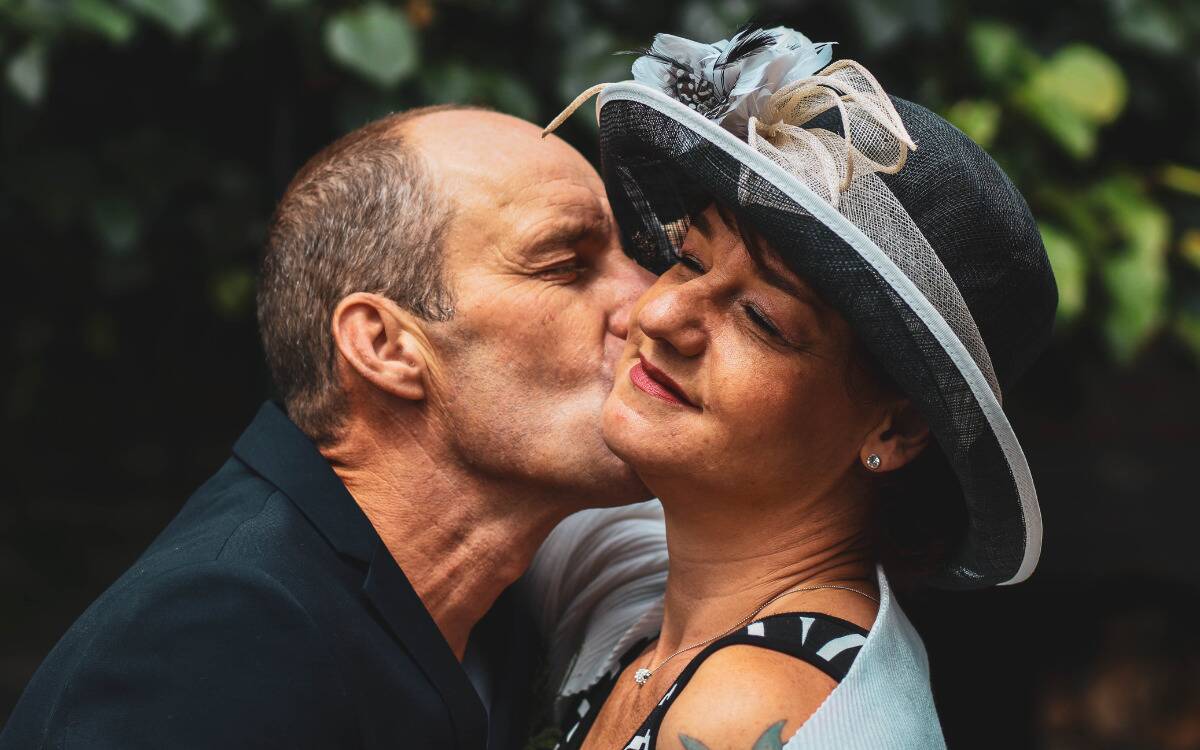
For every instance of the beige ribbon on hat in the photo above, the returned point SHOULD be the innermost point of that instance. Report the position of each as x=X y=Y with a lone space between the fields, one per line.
x=873 y=138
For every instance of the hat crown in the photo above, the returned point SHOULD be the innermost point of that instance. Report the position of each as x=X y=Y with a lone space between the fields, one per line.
x=983 y=232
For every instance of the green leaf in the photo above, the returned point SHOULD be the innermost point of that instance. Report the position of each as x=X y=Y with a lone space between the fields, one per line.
x=180 y=17
x=1138 y=219
x=26 y=72
x=1136 y=278
x=1181 y=178
x=1084 y=80
x=1070 y=271
x=104 y=18
x=999 y=54
x=978 y=118
x=1073 y=133
x=374 y=41
x=1072 y=94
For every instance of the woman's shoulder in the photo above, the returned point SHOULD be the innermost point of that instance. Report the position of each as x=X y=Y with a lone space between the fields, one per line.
x=743 y=696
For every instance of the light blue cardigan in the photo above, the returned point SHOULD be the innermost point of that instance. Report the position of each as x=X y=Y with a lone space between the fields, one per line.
x=598 y=583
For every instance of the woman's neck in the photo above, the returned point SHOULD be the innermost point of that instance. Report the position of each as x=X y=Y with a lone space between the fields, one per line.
x=730 y=556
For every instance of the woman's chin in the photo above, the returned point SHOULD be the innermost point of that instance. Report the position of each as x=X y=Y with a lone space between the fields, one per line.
x=638 y=436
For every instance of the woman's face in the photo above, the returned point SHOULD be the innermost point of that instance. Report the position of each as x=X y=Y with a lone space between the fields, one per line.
x=735 y=377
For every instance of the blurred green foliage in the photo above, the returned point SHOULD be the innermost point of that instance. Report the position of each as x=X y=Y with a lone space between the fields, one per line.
x=145 y=141
x=1109 y=235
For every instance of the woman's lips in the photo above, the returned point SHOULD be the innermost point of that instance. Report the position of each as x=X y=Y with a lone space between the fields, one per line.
x=649 y=379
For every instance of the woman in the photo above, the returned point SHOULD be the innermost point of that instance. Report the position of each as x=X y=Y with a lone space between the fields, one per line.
x=812 y=388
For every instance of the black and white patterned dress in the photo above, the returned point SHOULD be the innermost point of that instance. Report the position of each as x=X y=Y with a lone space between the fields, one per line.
x=828 y=643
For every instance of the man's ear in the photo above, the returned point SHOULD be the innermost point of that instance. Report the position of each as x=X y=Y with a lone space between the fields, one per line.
x=383 y=344
x=898 y=438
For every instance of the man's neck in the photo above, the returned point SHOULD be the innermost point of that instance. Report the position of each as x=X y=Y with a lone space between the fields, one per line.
x=460 y=540
x=730 y=559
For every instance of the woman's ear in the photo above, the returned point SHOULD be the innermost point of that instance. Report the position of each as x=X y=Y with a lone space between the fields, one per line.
x=898 y=438
x=383 y=344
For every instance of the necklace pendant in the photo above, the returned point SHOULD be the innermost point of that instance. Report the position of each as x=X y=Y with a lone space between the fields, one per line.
x=641 y=676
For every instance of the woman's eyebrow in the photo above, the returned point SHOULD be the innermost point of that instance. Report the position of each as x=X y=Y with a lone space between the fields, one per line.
x=784 y=284
x=700 y=221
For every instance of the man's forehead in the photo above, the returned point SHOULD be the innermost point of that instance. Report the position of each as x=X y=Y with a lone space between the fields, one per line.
x=517 y=197
x=491 y=157
x=509 y=185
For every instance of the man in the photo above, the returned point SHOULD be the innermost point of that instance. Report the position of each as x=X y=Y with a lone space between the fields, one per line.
x=443 y=296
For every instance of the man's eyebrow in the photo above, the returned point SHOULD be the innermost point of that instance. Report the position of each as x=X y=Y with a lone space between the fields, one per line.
x=569 y=230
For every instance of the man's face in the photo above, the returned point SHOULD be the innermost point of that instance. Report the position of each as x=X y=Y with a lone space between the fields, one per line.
x=542 y=293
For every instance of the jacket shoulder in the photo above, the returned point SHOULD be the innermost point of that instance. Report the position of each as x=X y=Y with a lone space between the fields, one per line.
x=185 y=658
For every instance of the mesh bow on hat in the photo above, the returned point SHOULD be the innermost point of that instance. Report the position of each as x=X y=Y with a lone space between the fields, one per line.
x=903 y=224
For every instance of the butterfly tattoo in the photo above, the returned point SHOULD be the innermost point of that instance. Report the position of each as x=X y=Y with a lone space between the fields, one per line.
x=768 y=740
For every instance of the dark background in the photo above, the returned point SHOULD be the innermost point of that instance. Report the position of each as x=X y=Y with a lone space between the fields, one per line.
x=143 y=144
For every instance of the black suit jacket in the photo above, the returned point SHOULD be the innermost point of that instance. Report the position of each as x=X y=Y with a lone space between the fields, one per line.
x=268 y=614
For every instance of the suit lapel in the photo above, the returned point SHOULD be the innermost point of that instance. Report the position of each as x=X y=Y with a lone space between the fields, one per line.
x=505 y=635
x=401 y=608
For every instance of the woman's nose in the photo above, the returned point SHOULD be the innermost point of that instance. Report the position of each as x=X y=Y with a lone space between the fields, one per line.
x=673 y=316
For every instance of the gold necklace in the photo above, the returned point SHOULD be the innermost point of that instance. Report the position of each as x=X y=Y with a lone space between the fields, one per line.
x=642 y=675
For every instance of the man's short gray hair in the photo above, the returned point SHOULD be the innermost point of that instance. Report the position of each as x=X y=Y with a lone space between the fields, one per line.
x=363 y=215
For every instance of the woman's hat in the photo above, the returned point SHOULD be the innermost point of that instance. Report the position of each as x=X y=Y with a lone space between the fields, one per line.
x=902 y=223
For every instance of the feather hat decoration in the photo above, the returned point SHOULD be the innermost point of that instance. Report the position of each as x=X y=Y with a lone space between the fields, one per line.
x=730 y=80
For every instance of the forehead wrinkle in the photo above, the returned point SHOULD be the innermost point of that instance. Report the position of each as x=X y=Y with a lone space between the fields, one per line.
x=556 y=207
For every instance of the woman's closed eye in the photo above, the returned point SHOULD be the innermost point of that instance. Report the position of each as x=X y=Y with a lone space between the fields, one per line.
x=763 y=322
x=690 y=262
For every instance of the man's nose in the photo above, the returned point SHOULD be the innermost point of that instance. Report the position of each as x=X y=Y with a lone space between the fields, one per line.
x=629 y=282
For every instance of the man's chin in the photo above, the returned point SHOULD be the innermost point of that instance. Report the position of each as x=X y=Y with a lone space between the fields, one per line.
x=615 y=483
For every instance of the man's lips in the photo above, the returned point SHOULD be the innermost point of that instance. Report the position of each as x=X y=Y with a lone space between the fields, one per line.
x=649 y=379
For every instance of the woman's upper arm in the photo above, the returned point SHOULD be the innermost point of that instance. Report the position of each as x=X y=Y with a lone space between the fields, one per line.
x=744 y=697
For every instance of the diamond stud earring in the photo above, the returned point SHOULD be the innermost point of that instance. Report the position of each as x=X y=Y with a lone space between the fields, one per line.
x=873 y=461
